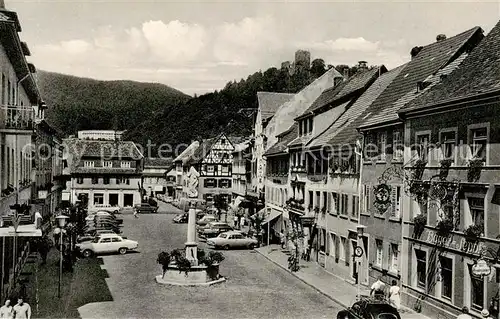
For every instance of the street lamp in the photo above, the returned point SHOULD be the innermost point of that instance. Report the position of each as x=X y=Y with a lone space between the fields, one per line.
x=358 y=254
x=61 y=221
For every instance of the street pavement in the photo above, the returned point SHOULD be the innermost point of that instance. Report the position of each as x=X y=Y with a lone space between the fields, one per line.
x=255 y=287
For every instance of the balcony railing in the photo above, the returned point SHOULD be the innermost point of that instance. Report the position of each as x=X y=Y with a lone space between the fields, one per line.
x=16 y=117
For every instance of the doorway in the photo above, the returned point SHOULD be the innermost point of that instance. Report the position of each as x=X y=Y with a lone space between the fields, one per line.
x=113 y=199
x=128 y=200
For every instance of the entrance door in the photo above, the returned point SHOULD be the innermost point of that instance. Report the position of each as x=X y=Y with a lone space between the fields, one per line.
x=128 y=200
x=113 y=199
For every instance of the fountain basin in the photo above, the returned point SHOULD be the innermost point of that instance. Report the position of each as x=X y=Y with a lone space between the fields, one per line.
x=196 y=276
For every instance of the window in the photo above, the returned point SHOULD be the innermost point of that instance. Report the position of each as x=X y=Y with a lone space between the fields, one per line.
x=210 y=169
x=421 y=257
x=95 y=180
x=397 y=146
x=477 y=291
x=355 y=206
x=382 y=145
x=224 y=183
x=396 y=201
x=476 y=207
x=88 y=164
x=98 y=199
x=366 y=199
x=423 y=141
x=127 y=181
x=210 y=182
x=342 y=254
x=448 y=142
x=379 y=257
x=225 y=170
x=345 y=203
x=105 y=180
x=107 y=164
x=335 y=203
x=393 y=258
x=478 y=141
x=79 y=180
x=446 y=277
x=118 y=181
x=208 y=197
x=116 y=240
x=105 y=240
x=125 y=164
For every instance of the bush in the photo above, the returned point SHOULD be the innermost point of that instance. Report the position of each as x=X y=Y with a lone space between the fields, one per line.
x=164 y=260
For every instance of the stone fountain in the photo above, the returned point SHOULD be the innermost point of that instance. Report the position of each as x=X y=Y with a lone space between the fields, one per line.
x=197 y=274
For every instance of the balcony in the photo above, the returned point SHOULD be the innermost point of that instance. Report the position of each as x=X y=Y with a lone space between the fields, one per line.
x=16 y=118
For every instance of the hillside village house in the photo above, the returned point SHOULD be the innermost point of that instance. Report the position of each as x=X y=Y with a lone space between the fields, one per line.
x=106 y=172
x=451 y=220
x=279 y=130
x=383 y=182
x=154 y=176
x=242 y=175
x=332 y=199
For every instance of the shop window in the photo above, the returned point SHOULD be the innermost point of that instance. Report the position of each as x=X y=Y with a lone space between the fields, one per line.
x=98 y=199
x=446 y=277
x=379 y=257
x=421 y=261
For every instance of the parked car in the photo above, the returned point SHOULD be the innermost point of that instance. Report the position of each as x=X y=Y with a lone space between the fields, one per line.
x=106 y=208
x=168 y=199
x=88 y=236
x=213 y=229
x=181 y=218
x=146 y=208
x=232 y=239
x=368 y=308
x=205 y=220
x=106 y=243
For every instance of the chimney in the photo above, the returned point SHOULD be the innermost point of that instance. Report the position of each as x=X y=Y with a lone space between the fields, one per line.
x=2 y=5
x=362 y=66
x=415 y=51
x=346 y=73
x=440 y=37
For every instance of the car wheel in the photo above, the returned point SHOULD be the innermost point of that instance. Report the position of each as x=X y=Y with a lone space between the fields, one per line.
x=115 y=212
x=122 y=251
x=87 y=253
x=226 y=247
x=251 y=246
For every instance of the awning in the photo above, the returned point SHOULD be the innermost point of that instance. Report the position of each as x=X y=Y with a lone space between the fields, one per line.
x=22 y=231
x=273 y=214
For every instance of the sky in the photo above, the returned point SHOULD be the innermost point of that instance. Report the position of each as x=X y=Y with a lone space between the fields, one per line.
x=198 y=46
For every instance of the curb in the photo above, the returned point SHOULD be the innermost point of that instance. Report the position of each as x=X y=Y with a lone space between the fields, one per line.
x=304 y=281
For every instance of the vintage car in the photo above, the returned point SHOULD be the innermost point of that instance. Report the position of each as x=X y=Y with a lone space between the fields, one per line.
x=232 y=239
x=181 y=218
x=205 y=220
x=106 y=243
x=368 y=308
x=105 y=208
x=146 y=208
x=213 y=229
x=88 y=236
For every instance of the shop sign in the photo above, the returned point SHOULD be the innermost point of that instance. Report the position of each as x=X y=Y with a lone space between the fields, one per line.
x=481 y=268
x=451 y=243
x=382 y=199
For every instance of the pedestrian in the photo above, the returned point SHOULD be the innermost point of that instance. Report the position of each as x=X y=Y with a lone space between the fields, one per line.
x=135 y=212
x=22 y=310
x=242 y=221
x=6 y=311
x=394 y=297
x=464 y=314
x=282 y=239
x=377 y=289
x=236 y=220
x=486 y=314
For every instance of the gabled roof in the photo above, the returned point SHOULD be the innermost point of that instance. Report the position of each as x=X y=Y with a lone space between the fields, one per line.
x=283 y=140
x=159 y=162
x=479 y=73
x=202 y=150
x=102 y=149
x=358 y=82
x=343 y=130
x=428 y=61
x=269 y=102
x=186 y=154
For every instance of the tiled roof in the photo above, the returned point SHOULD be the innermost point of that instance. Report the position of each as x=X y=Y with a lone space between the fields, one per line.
x=300 y=140
x=284 y=139
x=269 y=102
x=103 y=170
x=357 y=82
x=106 y=149
x=157 y=162
x=201 y=151
x=186 y=154
x=480 y=72
x=343 y=130
x=428 y=61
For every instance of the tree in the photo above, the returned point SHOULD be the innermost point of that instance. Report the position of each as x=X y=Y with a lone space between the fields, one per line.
x=318 y=68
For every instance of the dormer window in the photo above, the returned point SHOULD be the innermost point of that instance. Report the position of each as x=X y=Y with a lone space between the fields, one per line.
x=125 y=164
x=88 y=164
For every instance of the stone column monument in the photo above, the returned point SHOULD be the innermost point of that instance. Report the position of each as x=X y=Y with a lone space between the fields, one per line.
x=191 y=245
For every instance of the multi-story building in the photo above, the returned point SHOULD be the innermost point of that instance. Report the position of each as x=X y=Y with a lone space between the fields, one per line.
x=451 y=223
x=241 y=169
x=181 y=171
x=331 y=189
x=154 y=176
x=383 y=183
x=106 y=172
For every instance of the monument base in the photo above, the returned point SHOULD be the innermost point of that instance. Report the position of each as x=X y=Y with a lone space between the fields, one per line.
x=195 y=276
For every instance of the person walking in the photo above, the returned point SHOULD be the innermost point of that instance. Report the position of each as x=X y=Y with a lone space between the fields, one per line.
x=464 y=314
x=236 y=221
x=282 y=239
x=377 y=289
x=486 y=314
x=22 y=310
x=135 y=212
x=394 y=297
x=6 y=311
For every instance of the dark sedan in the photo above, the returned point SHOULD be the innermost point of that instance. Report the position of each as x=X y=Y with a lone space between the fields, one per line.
x=369 y=309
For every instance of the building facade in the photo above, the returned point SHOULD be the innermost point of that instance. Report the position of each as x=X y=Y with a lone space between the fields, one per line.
x=154 y=176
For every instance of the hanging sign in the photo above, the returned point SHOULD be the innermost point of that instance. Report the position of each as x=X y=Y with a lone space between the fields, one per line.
x=382 y=199
x=481 y=268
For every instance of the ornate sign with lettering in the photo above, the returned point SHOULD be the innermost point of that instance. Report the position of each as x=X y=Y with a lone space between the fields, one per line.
x=450 y=243
x=481 y=268
x=382 y=199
